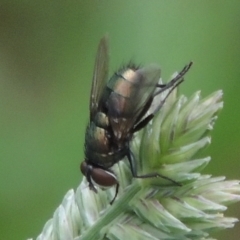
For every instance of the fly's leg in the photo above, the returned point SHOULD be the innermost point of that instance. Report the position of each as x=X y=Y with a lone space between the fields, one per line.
x=175 y=82
x=147 y=119
x=88 y=176
x=133 y=168
x=143 y=123
x=93 y=188
x=116 y=193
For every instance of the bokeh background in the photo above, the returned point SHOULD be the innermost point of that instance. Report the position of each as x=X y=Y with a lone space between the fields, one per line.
x=47 y=51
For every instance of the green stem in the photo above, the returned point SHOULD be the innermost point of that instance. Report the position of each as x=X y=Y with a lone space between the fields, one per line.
x=118 y=207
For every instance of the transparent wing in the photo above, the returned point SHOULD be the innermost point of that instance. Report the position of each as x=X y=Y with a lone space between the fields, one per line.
x=150 y=76
x=100 y=75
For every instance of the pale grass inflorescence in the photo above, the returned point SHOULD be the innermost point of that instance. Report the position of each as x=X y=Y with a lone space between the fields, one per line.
x=156 y=208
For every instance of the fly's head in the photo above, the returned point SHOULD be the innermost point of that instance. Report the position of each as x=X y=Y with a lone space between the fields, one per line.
x=102 y=177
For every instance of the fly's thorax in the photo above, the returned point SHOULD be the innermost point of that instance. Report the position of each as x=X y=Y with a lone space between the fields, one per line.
x=105 y=160
x=101 y=148
x=97 y=139
x=97 y=134
x=101 y=120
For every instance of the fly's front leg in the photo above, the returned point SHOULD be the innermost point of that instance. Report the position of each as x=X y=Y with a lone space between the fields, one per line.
x=116 y=193
x=89 y=179
x=133 y=168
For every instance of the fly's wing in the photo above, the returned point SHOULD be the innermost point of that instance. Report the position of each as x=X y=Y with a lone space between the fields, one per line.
x=151 y=77
x=100 y=75
x=130 y=98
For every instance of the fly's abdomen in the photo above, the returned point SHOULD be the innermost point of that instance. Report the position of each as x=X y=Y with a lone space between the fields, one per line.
x=122 y=102
x=124 y=86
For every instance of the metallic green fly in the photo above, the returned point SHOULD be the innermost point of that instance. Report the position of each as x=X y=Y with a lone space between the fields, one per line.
x=119 y=108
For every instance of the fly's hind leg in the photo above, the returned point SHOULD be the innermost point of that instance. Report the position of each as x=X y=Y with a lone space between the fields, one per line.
x=148 y=118
x=175 y=82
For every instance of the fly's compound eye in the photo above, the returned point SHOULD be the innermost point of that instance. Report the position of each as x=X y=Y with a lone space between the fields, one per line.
x=84 y=168
x=100 y=176
x=103 y=177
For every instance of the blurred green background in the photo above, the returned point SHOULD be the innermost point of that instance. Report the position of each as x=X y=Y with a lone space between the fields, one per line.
x=47 y=51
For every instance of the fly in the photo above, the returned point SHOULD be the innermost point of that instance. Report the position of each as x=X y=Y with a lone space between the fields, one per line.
x=119 y=108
